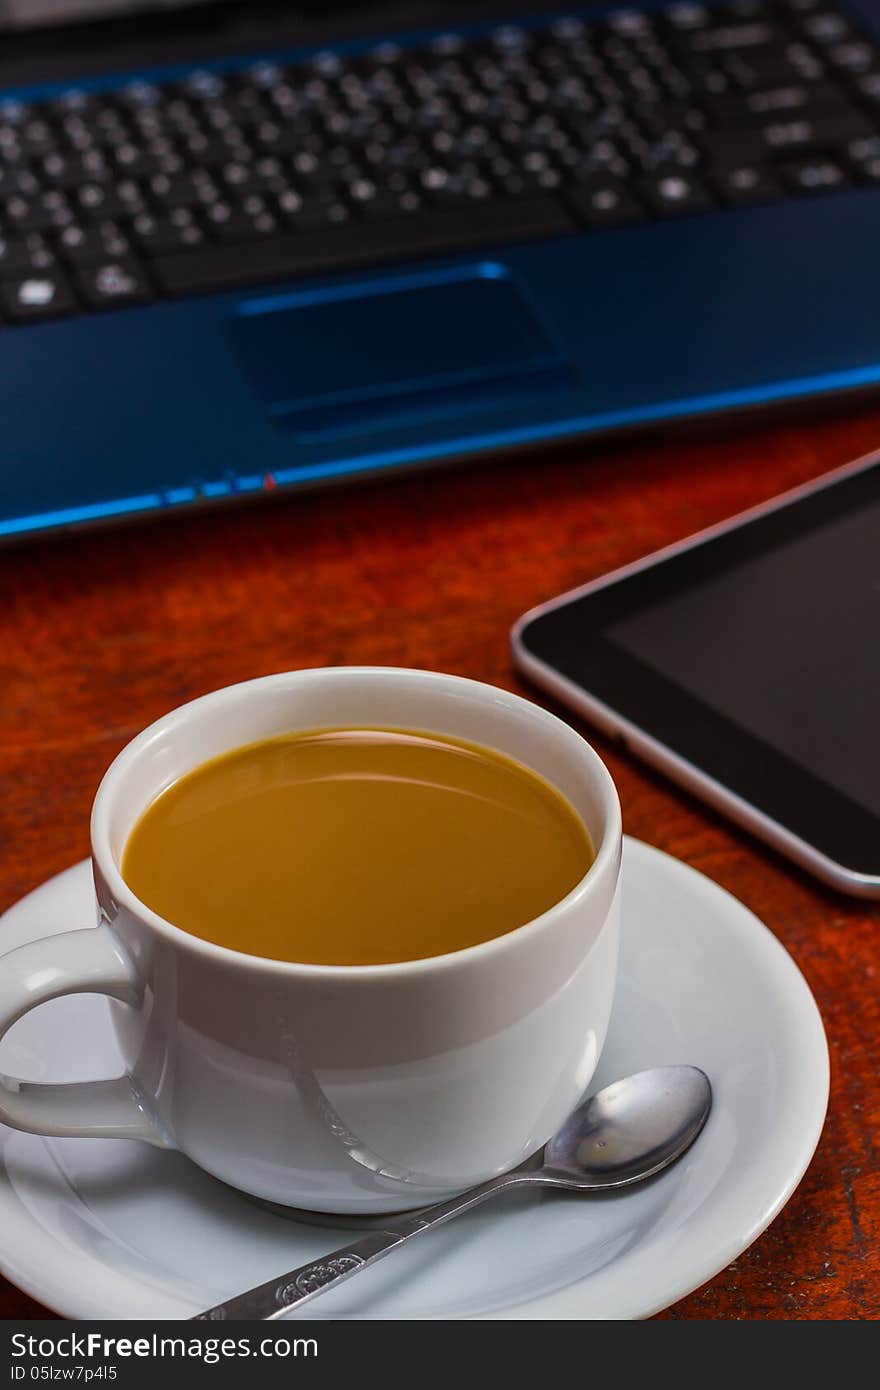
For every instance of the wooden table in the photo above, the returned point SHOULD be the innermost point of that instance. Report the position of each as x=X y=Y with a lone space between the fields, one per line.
x=100 y=633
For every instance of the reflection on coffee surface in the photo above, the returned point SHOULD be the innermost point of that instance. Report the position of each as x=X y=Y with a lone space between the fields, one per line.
x=356 y=846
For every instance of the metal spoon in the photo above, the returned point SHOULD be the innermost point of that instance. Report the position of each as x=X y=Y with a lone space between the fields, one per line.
x=627 y=1132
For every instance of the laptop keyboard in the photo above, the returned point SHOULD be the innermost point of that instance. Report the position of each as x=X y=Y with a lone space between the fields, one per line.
x=219 y=180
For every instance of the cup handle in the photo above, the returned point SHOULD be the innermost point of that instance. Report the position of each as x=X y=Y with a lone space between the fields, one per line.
x=77 y=962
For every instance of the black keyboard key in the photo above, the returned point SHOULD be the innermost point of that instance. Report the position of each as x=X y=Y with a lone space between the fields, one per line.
x=725 y=147
x=867 y=88
x=110 y=284
x=795 y=97
x=37 y=214
x=240 y=178
x=706 y=81
x=510 y=179
x=745 y=9
x=14 y=112
x=271 y=137
x=83 y=245
x=13 y=256
x=314 y=213
x=854 y=57
x=826 y=28
x=363 y=243
x=658 y=118
x=107 y=131
x=166 y=234
x=134 y=161
x=73 y=102
x=756 y=108
x=139 y=96
x=816 y=133
x=62 y=169
x=672 y=150
x=807 y=135
x=629 y=23
x=814 y=176
x=672 y=194
x=271 y=175
x=22 y=256
x=17 y=180
x=240 y=222
x=41 y=295
x=773 y=66
x=743 y=185
x=383 y=205
x=605 y=203
x=203 y=85
x=100 y=201
x=312 y=172
x=288 y=203
x=866 y=148
x=869 y=171
x=732 y=38
x=36 y=138
x=176 y=190
x=685 y=18
x=863 y=159
x=459 y=191
x=11 y=152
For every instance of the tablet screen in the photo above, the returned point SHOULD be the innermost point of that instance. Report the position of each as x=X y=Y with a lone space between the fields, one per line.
x=747 y=664
x=786 y=645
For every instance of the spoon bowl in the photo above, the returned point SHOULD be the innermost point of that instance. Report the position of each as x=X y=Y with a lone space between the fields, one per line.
x=630 y=1130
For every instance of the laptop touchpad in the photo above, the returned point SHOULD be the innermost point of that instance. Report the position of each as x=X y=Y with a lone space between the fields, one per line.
x=397 y=349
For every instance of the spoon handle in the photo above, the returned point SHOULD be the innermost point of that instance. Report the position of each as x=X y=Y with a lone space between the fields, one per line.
x=290 y=1290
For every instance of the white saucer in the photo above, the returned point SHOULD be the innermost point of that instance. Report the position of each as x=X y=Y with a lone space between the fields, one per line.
x=114 y=1229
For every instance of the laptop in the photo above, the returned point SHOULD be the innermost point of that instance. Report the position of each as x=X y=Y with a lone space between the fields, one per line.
x=256 y=245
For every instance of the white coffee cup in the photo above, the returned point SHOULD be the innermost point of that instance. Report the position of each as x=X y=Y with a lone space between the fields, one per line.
x=347 y=1089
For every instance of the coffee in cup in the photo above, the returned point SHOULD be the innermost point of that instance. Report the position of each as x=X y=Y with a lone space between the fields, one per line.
x=356 y=846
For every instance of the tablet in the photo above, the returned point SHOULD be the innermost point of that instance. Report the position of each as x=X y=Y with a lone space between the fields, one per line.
x=745 y=663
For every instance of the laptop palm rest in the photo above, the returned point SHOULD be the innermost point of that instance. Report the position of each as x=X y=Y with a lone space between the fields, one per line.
x=394 y=349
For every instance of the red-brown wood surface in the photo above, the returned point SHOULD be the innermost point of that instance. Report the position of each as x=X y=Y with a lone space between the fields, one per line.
x=100 y=633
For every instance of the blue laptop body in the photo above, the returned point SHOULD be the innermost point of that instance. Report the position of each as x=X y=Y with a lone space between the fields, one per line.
x=419 y=354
